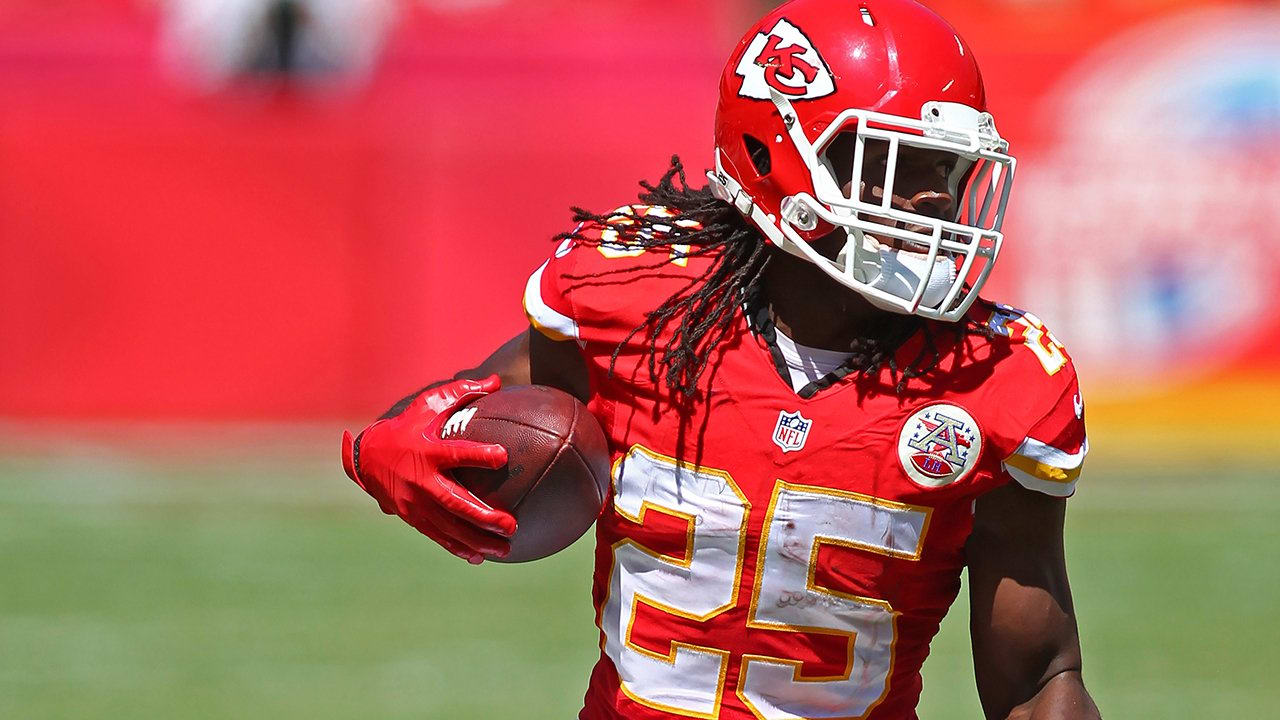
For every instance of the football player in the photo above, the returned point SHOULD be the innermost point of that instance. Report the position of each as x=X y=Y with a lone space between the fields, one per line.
x=816 y=422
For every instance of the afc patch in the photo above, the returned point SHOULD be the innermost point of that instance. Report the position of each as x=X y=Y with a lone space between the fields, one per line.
x=791 y=431
x=939 y=445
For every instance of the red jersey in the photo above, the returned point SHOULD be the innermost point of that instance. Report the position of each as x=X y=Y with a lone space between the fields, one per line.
x=801 y=567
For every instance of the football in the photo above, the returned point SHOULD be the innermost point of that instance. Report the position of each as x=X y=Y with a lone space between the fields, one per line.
x=557 y=472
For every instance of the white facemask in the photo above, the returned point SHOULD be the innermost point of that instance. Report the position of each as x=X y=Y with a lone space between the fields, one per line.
x=900 y=273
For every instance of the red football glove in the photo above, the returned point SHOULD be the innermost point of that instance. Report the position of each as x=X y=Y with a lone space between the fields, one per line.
x=401 y=462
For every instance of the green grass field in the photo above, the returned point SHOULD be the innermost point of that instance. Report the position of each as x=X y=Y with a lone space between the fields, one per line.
x=273 y=588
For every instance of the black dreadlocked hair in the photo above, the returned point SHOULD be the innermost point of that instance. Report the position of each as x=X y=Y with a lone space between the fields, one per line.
x=704 y=309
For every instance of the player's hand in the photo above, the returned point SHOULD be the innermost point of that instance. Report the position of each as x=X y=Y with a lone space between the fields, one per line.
x=402 y=463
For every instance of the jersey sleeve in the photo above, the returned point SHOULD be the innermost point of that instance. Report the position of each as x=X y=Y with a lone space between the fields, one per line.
x=598 y=285
x=546 y=300
x=1043 y=413
x=1049 y=458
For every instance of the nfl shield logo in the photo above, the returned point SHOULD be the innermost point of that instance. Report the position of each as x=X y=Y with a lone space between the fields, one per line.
x=792 y=431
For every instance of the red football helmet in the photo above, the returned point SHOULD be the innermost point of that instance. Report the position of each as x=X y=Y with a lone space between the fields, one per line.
x=818 y=85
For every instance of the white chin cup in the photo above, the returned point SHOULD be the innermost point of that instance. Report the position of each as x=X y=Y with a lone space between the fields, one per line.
x=900 y=273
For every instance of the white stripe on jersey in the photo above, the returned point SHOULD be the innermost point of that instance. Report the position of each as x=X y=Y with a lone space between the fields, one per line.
x=1044 y=468
x=552 y=324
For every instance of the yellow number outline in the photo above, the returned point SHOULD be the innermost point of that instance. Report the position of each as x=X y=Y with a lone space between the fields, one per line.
x=1038 y=339
x=752 y=621
x=640 y=598
x=812 y=584
x=612 y=246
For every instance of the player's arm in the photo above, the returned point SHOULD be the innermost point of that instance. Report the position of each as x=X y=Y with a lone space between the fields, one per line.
x=527 y=358
x=403 y=463
x=1026 y=649
x=533 y=358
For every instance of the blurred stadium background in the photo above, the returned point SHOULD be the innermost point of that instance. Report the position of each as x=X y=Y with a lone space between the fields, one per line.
x=230 y=228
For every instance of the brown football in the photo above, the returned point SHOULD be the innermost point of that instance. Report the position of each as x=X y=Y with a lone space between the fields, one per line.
x=557 y=472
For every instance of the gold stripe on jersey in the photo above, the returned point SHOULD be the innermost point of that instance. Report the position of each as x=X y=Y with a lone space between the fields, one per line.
x=1043 y=471
x=1044 y=468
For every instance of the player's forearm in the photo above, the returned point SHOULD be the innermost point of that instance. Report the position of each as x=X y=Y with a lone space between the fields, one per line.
x=1063 y=697
x=403 y=402
x=510 y=363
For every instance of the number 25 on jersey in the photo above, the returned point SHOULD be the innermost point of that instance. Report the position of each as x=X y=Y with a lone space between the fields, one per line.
x=705 y=581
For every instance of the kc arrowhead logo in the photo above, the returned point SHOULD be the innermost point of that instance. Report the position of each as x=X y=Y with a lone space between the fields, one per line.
x=786 y=60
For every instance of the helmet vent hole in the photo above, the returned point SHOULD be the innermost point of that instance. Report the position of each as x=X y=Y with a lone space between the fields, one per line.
x=866 y=17
x=759 y=154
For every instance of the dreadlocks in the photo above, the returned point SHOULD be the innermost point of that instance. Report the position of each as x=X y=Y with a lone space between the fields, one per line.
x=704 y=310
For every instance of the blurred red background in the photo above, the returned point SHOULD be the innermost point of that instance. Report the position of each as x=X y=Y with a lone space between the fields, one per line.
x=266 y=250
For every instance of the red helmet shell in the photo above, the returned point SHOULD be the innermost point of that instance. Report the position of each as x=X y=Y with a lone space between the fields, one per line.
x=828 y=56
